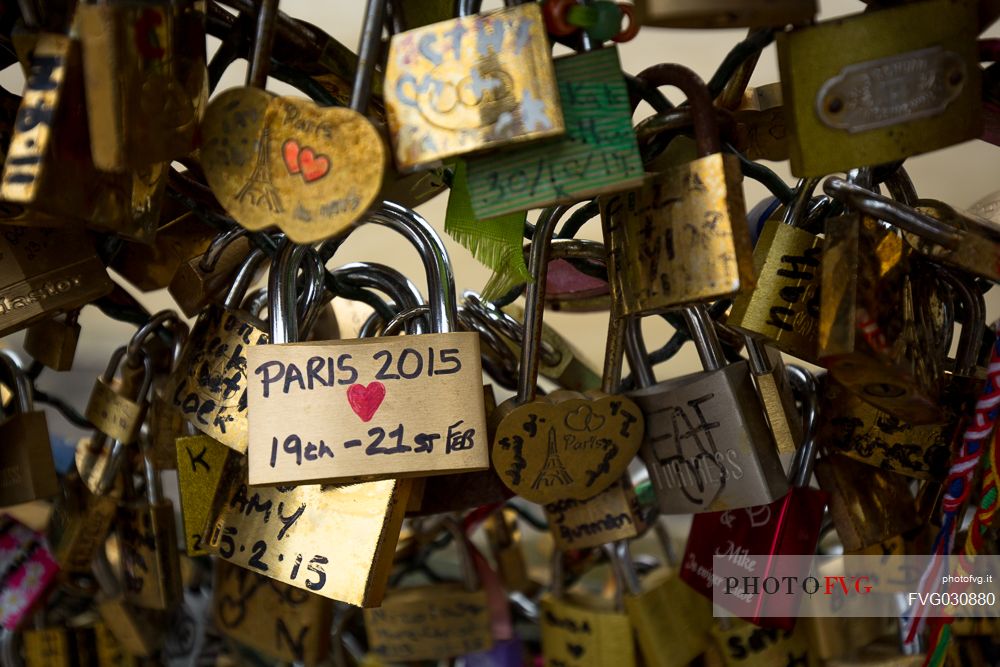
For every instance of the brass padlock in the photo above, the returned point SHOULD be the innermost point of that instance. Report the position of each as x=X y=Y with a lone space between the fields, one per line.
x=53 y=341
x=137 y=630
x=708 y=446
x=775 y=394
x=580 y=629
x=853 y=101
x=202 y=466
x=761 y=131
x=44 y=272
x=202 y=278
x=867 y=505
x=27 y=470
x=471 y=83
x=80 y=523
x=117 y=406
x=48 y=647
x=683 y=237
x=743 y=644
x=146 y=80
x=372 y=408
x=147 y=540
x=670 y=619
x=784 y=308
x=282 y=622
x=504 y=539
x=566 y=444
x=434 y=622
x=723 y=13
x=180 y=236
x=613 y=514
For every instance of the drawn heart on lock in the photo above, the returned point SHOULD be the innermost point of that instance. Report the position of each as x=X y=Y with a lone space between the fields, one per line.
x=566 y=445
x=365 y=401
x=304 y=161
x=269 y=161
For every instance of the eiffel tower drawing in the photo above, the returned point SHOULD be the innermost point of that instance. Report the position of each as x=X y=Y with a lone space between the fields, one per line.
x=553 y=471
x=259 y=189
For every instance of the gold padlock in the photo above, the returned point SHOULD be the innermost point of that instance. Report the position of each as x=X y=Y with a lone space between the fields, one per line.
x=27 y=469
x=613 y=514
x=53 y=341
x=202 y=465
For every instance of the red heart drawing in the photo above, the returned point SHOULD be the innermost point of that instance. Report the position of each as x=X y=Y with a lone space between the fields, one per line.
x=290 y=151
x=365 y=401
x=313 y=166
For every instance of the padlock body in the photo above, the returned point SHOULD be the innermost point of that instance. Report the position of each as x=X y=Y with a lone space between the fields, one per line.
x=434 y=109
x=147 y=538
x=613 y=514
x=784 y=307
x=194 y=288
x=203 y=466
x=53 y=343
x=597 y=155
x=44 y=272
x=854 y=100
x=134 y=629
x=211 y=388
x=434 y=622
x=670 y=620
x=681 y=238
x=579 y=630
x=789 y=526
x=723 y=13
x=282 y=622
x=745 y=644
x=707 y=446
x=79 y=525
x=113 y=413
x=27 y=470
x=47 y=647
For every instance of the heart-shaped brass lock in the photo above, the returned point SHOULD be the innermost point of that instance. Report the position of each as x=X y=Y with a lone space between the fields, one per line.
x=310 y=170
x=566 y=445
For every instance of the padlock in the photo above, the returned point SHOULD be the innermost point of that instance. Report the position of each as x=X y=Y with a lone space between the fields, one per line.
x=48 y=165
x=775 y=394
x=164 y=422
x=784 y=308
x=682 y=238
x=146 y=80
x=858 y=429
x=761 y=131
x=670 y=619
x=203 y=278
x=613 y=514
x=597 y=155
x=504 y=539
x=79 y=524
x=27 y=569
x=282 y=622
x=117 y=406
x=723 y=13
x=147 y=540
x=743 y=644
x=708 y=447
x=209 y=386
x=566 y=444
x=433 y=622
x=27 y=470
x=876 y=328
x=134 y=628
x=398 y=390
x=314 y=519
x=867 y=505
x=787 y=527
x=580 y=628
x=48 y=647
x=436 y=109
x=932 y=228
x=44 y=272
x=853 y=101
x=52 y=341
x=202 y=465
x=285 y=172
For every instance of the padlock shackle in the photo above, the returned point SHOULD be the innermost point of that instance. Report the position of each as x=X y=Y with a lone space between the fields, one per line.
x=210 y=258
x=971 y=337
x=135 y=344
x=465 y=560
x=491 y=341
x=706 y=126
x=705 y=337
x=404 y=317
x=804 y=383
x=637 y=354
x=506 y=325
x=891 y=211
x=263 y=42
x=22 y=385
x=620 y=556
x=368 y=51
x=534 y=302
x=372 y=275
x=799 y=208
x=437 y=265
x=282 y=292
x=242 y=278
x=465 y=8
x=147 y=376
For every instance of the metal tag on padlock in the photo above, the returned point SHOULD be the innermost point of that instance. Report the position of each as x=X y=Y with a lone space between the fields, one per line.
x=202 y=465
x=598 y=154
x=369 y=408
x=27 y=470
x=567 y=444
x=282 y=622
x=852 y=100
x=613 y=514
x=432 y=622
x=682 y=238
x=79 y=525
x=707 y=446
x=469 y=84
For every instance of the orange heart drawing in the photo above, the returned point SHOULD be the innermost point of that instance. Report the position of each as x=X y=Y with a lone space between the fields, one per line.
x=305 y=161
